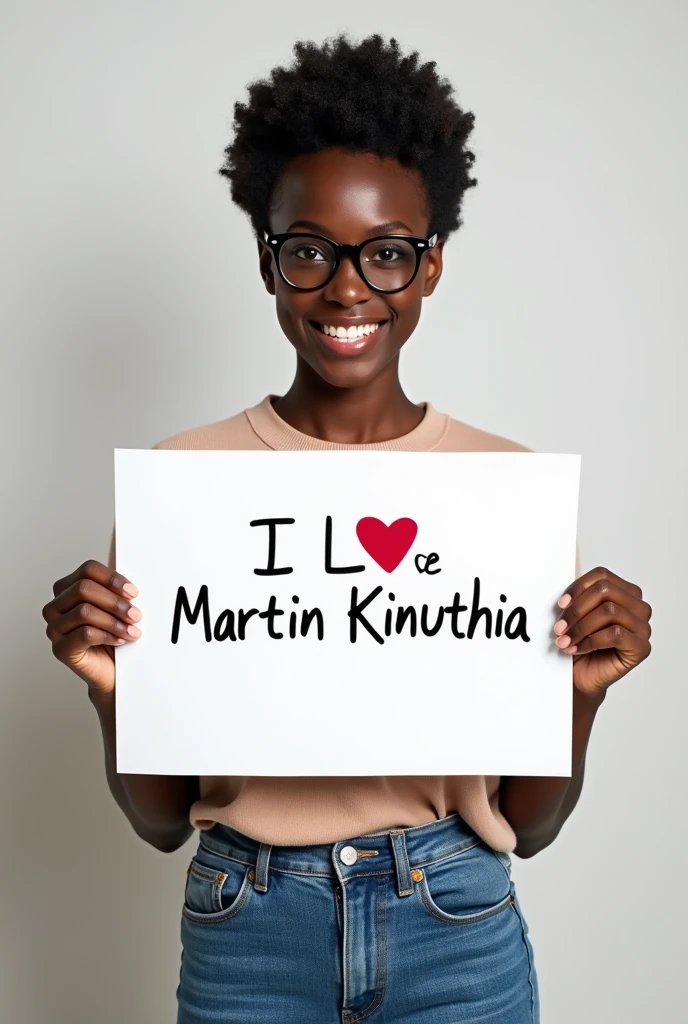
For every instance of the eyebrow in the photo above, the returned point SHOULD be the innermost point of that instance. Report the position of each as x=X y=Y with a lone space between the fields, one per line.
x=390 y=225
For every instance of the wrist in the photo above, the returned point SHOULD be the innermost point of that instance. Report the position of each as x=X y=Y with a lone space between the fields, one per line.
x=590 y=702
x=101 y=699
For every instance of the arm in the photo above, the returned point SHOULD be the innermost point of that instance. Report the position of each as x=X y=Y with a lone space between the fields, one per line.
x=537 y=807
x=605 y=628
x=157 y=806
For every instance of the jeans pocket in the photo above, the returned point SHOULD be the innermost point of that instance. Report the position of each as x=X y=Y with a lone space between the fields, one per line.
x=217 y=888
x=466 y=888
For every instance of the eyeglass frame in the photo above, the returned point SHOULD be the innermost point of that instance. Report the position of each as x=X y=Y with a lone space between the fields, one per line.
x=276 y=240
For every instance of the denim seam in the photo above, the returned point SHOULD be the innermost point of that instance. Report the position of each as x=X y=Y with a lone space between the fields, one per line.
x=504 y=867
x=338 y=908
x=367 y=874
x=380 y=958
x=530 y=959
x=219 y=917
x=401 y=860
x=447 y=856
x=345 y=938
x=318 y=874
x=465 y=919
x=249 y=863
x=202 y=876
x=465 y=844
x=216 y=881
x=426 y=826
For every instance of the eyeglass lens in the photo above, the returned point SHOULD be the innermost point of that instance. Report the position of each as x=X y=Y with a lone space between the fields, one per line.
x=387 y=263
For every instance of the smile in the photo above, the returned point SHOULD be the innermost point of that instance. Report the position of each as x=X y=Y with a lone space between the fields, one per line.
x=347 y=333
x=355 y=340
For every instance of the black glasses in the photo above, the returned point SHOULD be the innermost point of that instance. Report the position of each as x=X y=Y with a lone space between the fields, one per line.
x=387 y=263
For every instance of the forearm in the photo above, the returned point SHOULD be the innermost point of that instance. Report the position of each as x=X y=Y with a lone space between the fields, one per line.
x=536 y=807
x=157 y=806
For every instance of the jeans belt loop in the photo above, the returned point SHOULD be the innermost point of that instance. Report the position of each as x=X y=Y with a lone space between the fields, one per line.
x=261 y=882
x=404 y=881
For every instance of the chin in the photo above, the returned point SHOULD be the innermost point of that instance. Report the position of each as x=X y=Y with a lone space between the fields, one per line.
x=346 y=374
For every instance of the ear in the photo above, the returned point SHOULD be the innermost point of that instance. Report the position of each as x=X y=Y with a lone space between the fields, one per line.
x=433 y=267
x=265 y=264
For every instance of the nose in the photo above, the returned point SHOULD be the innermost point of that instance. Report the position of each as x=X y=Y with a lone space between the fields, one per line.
x=347 y=287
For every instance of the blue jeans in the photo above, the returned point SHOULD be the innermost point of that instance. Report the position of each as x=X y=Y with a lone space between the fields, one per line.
x=405 y=926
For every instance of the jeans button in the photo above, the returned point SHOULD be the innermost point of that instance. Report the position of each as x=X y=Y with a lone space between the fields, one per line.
x=348 y=855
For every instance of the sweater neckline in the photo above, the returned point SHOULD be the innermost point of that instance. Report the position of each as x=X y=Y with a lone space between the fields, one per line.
x=281 y=436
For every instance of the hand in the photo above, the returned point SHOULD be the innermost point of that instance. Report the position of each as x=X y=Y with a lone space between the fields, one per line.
x=90 y=614
x=606 y=627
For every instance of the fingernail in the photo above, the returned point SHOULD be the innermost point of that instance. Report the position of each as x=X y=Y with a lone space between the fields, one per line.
x=563 y=641
x=134 y=614
x=572 y=650
x=564 y=601
x=560 y=626
x=133 y=631
x=130 y=590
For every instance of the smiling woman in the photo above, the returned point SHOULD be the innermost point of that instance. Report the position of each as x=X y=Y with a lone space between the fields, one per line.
x=349 y=264
x=323 y=899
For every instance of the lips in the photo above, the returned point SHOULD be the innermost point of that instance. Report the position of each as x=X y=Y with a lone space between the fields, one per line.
x=347 y=330
x=348 y=346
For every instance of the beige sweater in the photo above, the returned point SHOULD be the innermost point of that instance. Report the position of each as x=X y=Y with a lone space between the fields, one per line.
x=304 y=810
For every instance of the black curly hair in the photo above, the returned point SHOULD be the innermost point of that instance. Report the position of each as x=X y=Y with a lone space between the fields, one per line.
x=365 y=97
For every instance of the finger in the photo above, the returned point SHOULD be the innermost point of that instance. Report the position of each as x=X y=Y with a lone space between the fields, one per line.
x=86 y=590
x=613 y=636
x=602 y=592
x=81 y=639
x=576 y=588
x=99 y=573
x=85 y=614
x=606 y=614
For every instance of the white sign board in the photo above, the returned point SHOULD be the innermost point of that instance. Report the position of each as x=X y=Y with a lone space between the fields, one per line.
x=345 y=613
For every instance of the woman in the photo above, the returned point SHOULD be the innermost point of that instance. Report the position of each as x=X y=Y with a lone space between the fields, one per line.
x=319 y=900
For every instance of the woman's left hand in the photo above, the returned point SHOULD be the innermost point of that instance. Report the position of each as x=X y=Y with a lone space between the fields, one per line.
x=606 y=627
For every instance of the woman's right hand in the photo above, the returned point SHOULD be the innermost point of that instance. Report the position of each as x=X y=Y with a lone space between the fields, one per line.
x=90 y=614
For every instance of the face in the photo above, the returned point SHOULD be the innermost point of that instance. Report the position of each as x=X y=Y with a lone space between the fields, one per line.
x=349 y=197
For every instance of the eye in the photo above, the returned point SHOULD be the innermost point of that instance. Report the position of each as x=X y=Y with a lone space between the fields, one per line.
x=387 y=254
x=308 y=252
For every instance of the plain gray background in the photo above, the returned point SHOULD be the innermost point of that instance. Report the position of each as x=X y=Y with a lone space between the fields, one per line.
x=132 y=308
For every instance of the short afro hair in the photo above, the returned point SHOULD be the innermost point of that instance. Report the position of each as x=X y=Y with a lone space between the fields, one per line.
x=365 y=97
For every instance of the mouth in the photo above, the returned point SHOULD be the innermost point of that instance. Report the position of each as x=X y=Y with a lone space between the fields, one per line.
x=348 y=341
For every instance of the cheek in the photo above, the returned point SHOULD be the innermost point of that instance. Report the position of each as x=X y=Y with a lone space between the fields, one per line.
x=290 y=309
x=406 y=309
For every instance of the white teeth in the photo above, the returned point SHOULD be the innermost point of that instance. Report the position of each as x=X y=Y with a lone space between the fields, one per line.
x=350 y=333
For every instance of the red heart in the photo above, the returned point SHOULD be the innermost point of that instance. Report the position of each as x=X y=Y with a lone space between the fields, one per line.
x=386 y=544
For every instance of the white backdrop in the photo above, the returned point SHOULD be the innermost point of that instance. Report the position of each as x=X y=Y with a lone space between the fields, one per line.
x=132 y=308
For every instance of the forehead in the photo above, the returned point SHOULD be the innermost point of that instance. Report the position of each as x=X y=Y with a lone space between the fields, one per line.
x=349 y=194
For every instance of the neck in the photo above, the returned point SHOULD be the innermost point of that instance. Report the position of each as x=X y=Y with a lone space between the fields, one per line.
x=375 y=412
